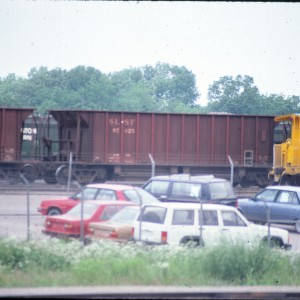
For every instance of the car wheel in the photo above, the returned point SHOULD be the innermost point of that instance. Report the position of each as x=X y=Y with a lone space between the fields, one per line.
x=274 y=242
x=297 y=226
x=54 y=211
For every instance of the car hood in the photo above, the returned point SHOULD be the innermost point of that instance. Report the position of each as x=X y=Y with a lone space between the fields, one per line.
x=244 y=201
x=273 y=230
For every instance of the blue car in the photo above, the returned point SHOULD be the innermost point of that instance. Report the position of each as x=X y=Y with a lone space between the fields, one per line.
x=281 y=202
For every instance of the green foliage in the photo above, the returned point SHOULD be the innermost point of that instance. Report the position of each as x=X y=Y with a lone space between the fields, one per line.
x=26 y=256
x=54 y=262
x=159 y=88
x=236 y=96
x=240 y=96
x=151 y=89
x=239 y=264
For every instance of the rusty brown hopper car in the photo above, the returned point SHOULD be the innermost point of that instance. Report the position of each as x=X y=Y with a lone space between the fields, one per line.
x=109 y=145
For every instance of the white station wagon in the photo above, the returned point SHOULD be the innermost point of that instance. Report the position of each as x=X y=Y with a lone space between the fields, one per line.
x=180 y=223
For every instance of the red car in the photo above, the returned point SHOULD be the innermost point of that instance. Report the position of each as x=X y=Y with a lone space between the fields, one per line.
x=69 y=224
x=101 y=191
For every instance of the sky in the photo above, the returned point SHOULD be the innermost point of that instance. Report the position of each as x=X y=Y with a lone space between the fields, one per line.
x=210 y=39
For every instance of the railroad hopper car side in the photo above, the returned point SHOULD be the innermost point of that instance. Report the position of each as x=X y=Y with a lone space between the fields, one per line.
x=108 y=145
x=11 y=132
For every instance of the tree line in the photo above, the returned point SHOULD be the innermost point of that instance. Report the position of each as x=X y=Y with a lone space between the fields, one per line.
x=159 y=88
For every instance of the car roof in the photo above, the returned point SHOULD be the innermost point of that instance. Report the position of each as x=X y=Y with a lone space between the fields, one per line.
x=183 y=205
x=110 y=202
x=188 y=177
x=284 y=188
x=112 y=186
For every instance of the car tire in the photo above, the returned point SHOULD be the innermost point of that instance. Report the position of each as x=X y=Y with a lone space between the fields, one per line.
x=53 y=211
x=297 y=226
x=274 y=242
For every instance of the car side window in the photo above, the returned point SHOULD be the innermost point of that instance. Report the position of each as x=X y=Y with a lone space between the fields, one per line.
x=183 y=217
x=208 y=217
x=105 y=194
x=88 y=193
x=154 y=214
x=185 y=189
x=267 y=195
x=132 y=195
x=108 y=212
x=231 y=218
x=157 y=187
x=288 y=197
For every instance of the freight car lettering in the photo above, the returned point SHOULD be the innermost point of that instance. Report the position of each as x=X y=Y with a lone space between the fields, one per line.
x=9 y=154
x=126 y=130
x=129 y=122
x=116 y=130
x=129 y=130
x=115 y=122
x=29 y=131
x=27 y=137
x=126 y=122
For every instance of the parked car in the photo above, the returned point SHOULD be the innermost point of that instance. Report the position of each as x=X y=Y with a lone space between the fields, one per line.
x=186 y=188
x=118 y=228
x=283 y=203
x=96 y=192
x=68 y=224
x=205 y=224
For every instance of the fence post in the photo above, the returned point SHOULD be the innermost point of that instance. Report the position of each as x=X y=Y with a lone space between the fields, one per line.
x=231 y=169
x=153 y=165
x=81 y=213
x=268 y=220
x=70 y=171
x=28 y=206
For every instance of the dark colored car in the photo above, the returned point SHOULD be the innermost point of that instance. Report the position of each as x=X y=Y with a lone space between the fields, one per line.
x=101 y=191
x=283 y=203
x=186 y=188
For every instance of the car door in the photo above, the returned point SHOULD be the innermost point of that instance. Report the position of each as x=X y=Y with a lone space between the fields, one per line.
x=210 y=230
x=286 y=208
x=256 y=208
x=233 y=227
x=182 y=226
x=151 y=224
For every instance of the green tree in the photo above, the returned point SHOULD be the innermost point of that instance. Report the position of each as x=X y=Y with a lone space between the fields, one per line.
x=279 y=105
x=171 y=84
x=234 y=95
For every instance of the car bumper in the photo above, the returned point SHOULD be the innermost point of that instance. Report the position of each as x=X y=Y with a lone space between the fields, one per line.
x=60 y=235
x=42 y=211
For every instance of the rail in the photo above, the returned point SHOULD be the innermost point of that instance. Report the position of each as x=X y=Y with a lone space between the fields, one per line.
x=155 y=292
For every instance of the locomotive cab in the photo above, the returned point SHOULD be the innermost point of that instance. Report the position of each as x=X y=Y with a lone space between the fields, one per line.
x=286 y=148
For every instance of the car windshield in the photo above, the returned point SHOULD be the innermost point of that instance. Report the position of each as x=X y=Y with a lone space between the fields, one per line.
x=137 y=194
x=88 y=210
x=126 y=215
x=221 y=190
x=88 y=194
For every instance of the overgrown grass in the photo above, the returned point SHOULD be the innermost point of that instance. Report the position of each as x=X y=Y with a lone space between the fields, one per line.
x=53 y=262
